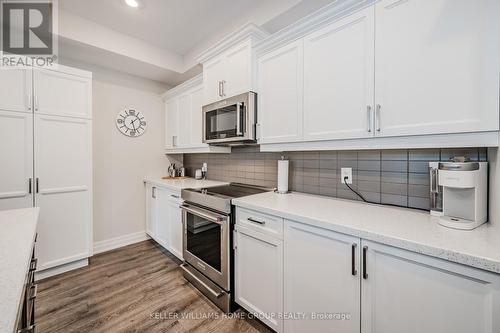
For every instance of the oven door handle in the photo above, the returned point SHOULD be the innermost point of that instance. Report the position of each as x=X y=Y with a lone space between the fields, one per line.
x=206 y=215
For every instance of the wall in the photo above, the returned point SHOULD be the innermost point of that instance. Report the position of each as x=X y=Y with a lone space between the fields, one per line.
x=398 y=177
x=120 y=163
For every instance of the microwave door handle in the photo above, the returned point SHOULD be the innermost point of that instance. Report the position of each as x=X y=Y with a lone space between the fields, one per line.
x=238 y=119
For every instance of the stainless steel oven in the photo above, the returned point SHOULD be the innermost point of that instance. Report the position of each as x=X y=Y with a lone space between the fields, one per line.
x=230 y=121
x=208 y=221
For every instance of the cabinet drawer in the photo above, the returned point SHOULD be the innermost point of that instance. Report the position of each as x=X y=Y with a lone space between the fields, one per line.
x=268 y=224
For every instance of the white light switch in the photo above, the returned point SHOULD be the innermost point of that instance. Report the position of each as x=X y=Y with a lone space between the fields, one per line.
x=346 y=172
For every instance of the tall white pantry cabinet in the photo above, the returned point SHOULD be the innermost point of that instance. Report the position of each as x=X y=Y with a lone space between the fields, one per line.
x=46 y=157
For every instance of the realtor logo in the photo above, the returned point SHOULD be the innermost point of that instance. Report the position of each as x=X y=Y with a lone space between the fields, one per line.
x=28 y=36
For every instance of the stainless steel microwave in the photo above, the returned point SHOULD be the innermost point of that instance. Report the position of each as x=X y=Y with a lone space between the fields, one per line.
x=231 y=121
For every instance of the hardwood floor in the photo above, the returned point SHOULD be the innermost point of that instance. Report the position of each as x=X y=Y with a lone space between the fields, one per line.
x=138 y=288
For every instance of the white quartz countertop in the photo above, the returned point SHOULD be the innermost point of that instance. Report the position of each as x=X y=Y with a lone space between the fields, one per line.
x=408 y=229
x=179 y=184
x=17 y=234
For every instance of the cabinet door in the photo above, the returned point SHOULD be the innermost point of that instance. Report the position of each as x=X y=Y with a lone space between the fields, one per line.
x=62 y=94
x=437 y=66
x=162 y=217
x=258 y=267
x=15 y=90
x=184 y=121
x=409 y=292
x=319 y=279
x=237 y=70
x=151 y=210
x=280 y=94
x=338 y=79
x=213 y=73
x=63 y=161
x=197 y=118
x=16 y=149
x=171 y=123
x=175 y=224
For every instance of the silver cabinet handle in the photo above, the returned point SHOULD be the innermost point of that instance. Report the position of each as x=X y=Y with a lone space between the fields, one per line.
x=29 y=185
x=175 y=196
x=220 y=88
x=369 y=118
x=36 y=102
x=223 y=88
x=174 y=140
x=153 y=192
x=256 y=221
x=34 y=288
x=37 y=185
x=29 y=101
x=377 y=117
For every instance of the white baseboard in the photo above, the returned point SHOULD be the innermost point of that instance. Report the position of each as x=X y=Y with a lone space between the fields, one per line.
x=114 y=243
x=61 y=269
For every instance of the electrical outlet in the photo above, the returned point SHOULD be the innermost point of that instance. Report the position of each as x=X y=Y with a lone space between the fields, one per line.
x=346 y=172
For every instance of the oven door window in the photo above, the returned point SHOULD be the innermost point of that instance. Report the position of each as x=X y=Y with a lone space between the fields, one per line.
x=223 y=123
x=204 y=240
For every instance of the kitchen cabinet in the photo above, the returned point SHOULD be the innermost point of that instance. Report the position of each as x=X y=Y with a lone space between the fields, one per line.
x=62 y=94
x=228 y=74
x=171 y=123
x=16 y=149
x=164 y=218
x=46 y=142
x=437 y=66
x=338 y=79
x=321 y=276
x=184 y=118
x=280 y=81
x=15 y=90
x=258 y=260
x=63 y=178
x=151 y=209
x=409 y=292
x=175 y=226
x=392 y=74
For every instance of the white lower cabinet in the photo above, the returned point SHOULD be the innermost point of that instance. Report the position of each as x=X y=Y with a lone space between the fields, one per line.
x=413 y=293
x=164 y=218
x=321 y=285
x=258 y=271
x=320 y=280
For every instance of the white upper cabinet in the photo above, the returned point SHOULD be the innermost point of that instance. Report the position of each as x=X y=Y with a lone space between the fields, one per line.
x=171 y=123
x=338 y=79
x=409 y=292
x=280 y=107
x=213 y=75
x=184 y=119
x=228 y=66
x=62 y=94
x=15 y=90
x=238 y=70
x=437 y=66
x=229 y=74
x=16 y=149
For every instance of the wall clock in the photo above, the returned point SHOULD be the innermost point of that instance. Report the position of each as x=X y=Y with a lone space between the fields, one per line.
x=131 y=123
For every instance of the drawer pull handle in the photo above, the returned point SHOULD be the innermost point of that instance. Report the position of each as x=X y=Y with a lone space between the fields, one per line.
x=354 y=272
x=34 y=291
x=256 y=221
x=175 y=196
x=33 y=264
x=27 y=329
x=365 y=273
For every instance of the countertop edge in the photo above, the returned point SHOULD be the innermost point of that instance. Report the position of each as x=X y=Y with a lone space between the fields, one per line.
x=463 y=258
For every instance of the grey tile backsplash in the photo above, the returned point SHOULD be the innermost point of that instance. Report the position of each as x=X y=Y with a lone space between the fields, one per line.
x=398 y=177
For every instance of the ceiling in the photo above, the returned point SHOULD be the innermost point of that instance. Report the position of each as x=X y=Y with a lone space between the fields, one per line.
x=175 y=25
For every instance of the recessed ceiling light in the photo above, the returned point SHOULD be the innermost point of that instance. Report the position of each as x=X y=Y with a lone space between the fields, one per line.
x=132 y=3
